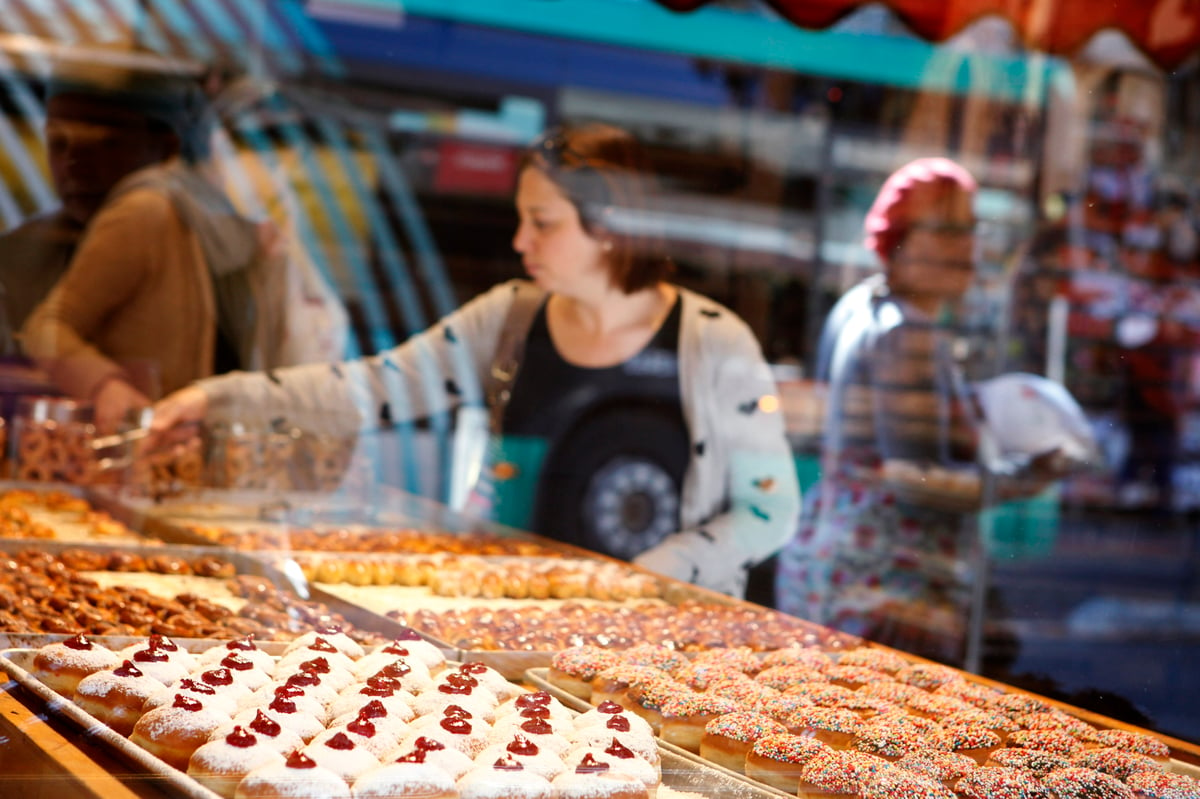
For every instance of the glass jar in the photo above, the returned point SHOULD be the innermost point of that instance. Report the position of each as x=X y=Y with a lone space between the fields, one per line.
x=246 y=459
x=52 y=441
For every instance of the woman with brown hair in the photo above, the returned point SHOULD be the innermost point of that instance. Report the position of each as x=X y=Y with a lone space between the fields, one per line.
x=595 y=347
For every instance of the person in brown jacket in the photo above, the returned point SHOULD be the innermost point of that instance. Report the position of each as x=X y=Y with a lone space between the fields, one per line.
x=162 y=288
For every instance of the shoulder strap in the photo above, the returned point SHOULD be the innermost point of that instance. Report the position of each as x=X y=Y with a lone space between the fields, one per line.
x=510 y=349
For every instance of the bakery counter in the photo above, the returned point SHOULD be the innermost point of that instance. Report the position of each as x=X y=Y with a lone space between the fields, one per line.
x=43 y=756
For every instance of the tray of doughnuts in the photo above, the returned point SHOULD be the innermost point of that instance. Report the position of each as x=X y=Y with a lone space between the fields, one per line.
x=186 y=592
x=58 y=512
x=209 y=719
x=514 y=637
x=786 y=717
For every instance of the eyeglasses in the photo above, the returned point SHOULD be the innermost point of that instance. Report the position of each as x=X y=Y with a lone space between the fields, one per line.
x=553 y=150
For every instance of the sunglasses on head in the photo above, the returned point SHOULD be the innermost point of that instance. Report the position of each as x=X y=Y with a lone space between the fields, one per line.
x=554 y=151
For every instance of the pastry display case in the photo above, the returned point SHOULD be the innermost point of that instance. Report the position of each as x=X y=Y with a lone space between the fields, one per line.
x=542 y=619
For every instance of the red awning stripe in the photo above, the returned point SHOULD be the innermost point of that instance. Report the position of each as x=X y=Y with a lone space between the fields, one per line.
x=1167 y=31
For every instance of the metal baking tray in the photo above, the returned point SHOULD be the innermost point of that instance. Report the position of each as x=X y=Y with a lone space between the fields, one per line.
x=378 y=507
x=681 y=771
x=539 y=678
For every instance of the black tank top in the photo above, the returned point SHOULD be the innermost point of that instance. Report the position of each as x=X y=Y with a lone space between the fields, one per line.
x=558 y=402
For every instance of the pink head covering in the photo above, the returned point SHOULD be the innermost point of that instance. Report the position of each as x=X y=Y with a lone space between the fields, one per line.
x=907 y=196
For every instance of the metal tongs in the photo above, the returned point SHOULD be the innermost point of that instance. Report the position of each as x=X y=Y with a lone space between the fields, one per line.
x=119 y=446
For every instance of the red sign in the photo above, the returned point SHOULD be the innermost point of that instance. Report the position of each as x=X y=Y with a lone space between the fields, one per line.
x=475 y=168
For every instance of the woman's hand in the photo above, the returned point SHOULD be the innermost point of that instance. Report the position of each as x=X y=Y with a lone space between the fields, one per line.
x=184 y=408
x=114 y=402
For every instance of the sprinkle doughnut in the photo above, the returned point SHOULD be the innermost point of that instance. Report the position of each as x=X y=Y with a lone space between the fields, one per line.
x=877 y=659
x=901 y=784
x=894 y=736
x=836 y=774
x=1115 y=762
x=1085 y=783
x=1056 y=741
x=778 y=759
x=946 y=767
x=1001 y=783
x=1137 y=742
x=728 y=739
x=1163 y=785
x=1037 y=762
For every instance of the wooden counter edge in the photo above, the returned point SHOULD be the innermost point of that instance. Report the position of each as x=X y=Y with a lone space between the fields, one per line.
x=60 y=758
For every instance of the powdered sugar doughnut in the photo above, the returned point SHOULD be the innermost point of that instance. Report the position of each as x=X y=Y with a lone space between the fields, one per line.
x=503 y=779
x=173 y=732
x=116 y=696
x=61 y=666
x=338 y=752
x=298 y=777
x=412 y=777
x=268 y=732
x=222 y=762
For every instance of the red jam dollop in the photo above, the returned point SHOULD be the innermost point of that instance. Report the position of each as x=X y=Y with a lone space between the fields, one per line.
x=618 y=723
x=362 y=727
x=187 y=703
x=535 y=699
x=395 y=670
x=236 y=662
x=127 y=669
x=321 y=645
x=316 y=665
x=507 y=763
x=428 y=744
x=79 y=642
x=457 y=712
x=520 y=745
x=590 y=765
x=537 y=727
x=240 y=738
x=373 y=710
x=219 y=676
x=196 y=687
x=298 y=759
x=619 y=750
x=341 y=742
x=265 y=725
x=456 y=726
x=149 y=655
